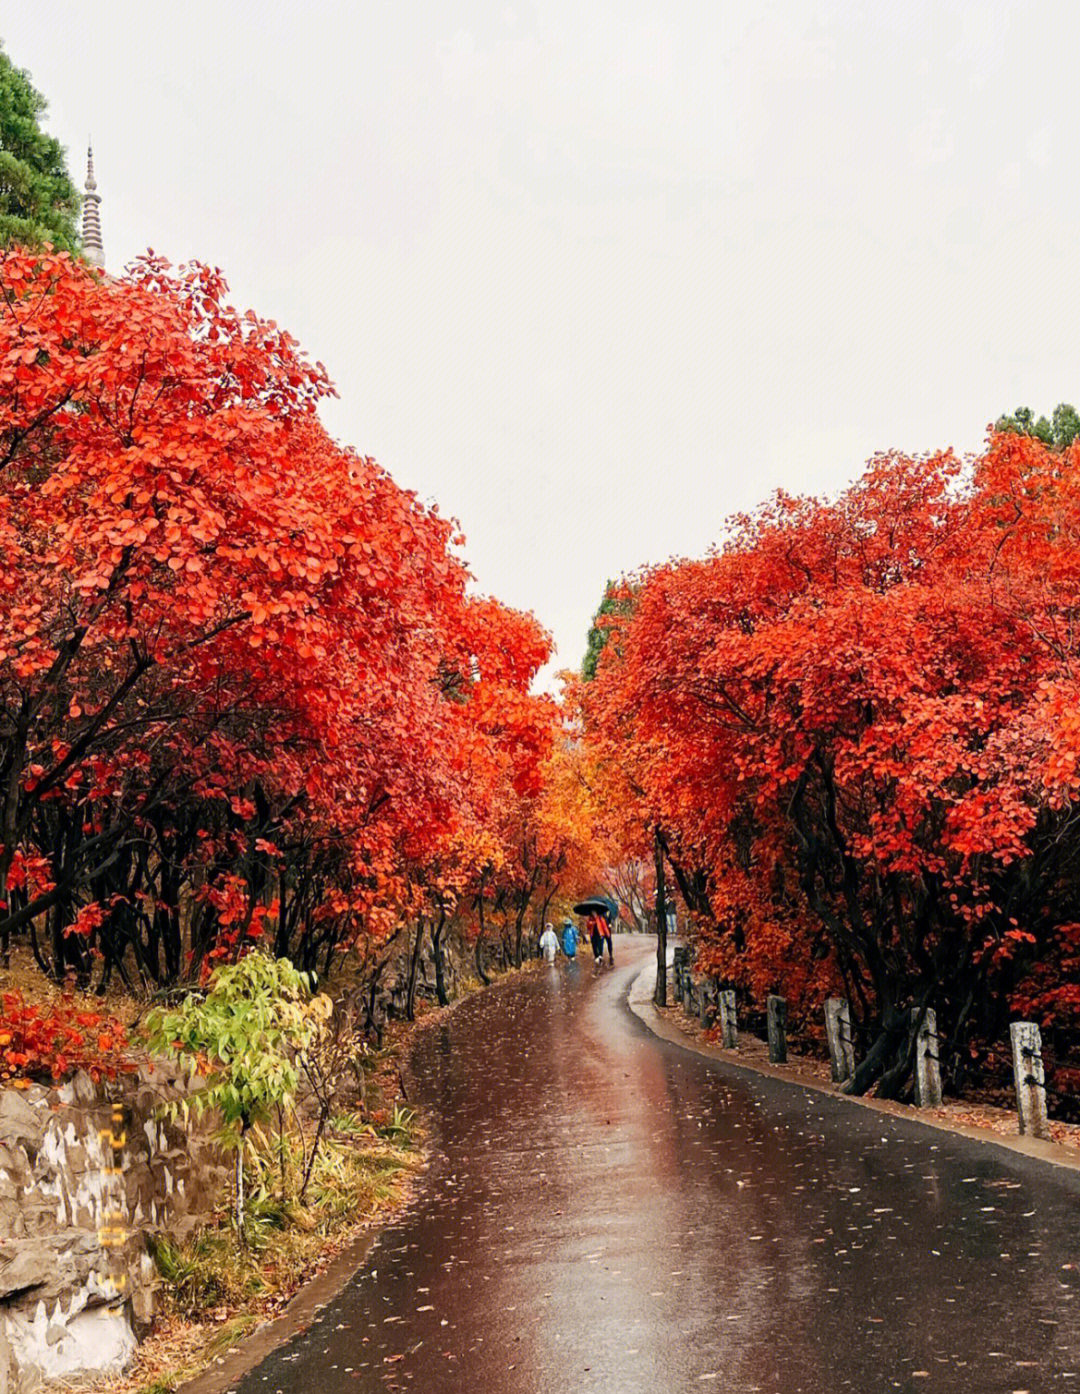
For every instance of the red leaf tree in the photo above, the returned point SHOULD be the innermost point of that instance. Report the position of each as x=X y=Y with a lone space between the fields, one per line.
x=245 y=695
x=854 y=723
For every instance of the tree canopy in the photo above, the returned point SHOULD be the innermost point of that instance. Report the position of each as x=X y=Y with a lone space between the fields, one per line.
x=38 y=202
x=856 y=726
x=246 y=695
x=1059 y=431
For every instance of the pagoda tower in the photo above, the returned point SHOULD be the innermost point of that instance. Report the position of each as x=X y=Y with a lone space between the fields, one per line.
x=93 y=251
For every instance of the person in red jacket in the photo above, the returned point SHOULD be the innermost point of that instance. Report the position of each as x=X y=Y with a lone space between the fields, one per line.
x=606 y=939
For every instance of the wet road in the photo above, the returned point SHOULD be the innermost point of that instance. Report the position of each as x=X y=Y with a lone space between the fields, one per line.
x=610 y=1213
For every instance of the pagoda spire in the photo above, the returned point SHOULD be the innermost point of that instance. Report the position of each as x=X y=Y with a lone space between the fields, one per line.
x=93 y=251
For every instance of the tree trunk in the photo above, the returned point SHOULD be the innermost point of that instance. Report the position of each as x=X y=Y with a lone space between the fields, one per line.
x=323 y=1113
x=874 y=1064
x=661 y=924
x=440 y=966
x=410 y=993
x=240 y=1191
x=55 y=920
x=371 y=1025
x=480 y=973
x=5 y=933
x=542 y=921
x=478 y=956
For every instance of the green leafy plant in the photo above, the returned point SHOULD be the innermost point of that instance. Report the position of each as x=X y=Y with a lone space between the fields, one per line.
x=166 y=1384
x=243 y=1035
x=349 y=1124
x=38 y=201
x=401 y=1126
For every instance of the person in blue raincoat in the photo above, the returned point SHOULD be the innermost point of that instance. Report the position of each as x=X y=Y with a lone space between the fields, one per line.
x=570 y=940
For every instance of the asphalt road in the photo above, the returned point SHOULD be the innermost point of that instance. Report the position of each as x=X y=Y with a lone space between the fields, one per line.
x=610 y=1213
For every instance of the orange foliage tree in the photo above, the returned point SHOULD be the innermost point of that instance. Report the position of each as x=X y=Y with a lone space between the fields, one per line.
x=245 y=694
x=855 y=726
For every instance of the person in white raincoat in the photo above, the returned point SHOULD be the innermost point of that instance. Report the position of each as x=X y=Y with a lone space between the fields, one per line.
x=549 y=945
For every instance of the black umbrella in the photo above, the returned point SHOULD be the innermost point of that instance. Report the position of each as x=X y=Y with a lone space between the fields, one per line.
x=598 y=905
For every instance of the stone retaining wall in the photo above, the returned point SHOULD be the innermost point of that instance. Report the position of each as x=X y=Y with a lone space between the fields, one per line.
x=85 y=1174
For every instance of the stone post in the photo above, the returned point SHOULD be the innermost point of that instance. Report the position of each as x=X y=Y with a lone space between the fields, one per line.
x=729 y=1030
x=706 y=1011
x=1030 y=1081
x=927 y=1070
x=680 y=966
x=841 y=1045
x=777 y=1010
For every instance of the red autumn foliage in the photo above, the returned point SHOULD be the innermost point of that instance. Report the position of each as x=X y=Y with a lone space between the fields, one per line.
x=48 y=1042
x=855 y=724
x=245 y=693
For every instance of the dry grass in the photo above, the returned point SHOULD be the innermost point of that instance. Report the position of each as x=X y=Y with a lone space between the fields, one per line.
x=24 y=976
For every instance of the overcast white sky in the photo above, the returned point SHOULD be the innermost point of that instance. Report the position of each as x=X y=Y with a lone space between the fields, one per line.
x=593 y=276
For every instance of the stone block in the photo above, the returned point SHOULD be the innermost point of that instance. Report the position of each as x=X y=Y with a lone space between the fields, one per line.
x=927 y=1069
x=58 y=1284
x=93 y=1341
x=9 y=1371
x=84 y=1088
x=777 y=1028
x=1029 y=1079
x=839 y=1037
x=32 y=1265
x=729 y=1028
x=19 y=1122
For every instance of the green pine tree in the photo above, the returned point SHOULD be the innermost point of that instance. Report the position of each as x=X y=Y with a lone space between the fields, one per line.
x=614 y=602
x=1060 y=431
x=38 y=201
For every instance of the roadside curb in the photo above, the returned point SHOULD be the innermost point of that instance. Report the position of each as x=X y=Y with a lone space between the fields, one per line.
x=297 y=1314
x=639 y=1000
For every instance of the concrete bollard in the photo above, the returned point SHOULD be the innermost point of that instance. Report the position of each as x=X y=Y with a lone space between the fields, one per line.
x=729 y=1029
x=777 y=1017
x=706 y=1009
x=1030 y=1080
x=838 y=1033
x=927 y=1069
